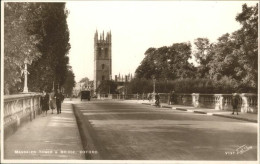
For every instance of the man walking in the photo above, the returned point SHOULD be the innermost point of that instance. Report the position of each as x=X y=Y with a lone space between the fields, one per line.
x=59 y=99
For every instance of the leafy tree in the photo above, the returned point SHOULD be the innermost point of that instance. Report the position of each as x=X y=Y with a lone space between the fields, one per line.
x=18 y=44
x=203 y=54
x=167 y=63
x=247 y=38
x=54 y=46
x=235 y=55
x=107 y=86
x=223 y=62
x=39 y=33
x=69 y=83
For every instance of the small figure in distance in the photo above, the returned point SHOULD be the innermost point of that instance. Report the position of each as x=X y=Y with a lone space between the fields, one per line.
x=235 y=99
x=172 y=98
x=45 y=102
x=157 y=100
x=52 y=101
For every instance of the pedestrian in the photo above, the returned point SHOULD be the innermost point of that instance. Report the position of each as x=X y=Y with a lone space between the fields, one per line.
x=52 y=101
x=59 y=99
x=44 y=103
x=172 y=98
x=150 y=97
x=157 y=100
x=235 y=99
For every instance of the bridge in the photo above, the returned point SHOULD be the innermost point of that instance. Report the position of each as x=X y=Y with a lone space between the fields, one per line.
x=130 y=127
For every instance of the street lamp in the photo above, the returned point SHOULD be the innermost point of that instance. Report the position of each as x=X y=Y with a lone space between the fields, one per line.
x=25 y=72
x=154 y=84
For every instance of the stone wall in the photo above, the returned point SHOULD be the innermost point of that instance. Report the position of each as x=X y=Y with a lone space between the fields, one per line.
x=247 y=101
x=19 y=109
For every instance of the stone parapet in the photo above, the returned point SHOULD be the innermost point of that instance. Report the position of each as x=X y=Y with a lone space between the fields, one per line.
x=18 y=109
x=247 y=101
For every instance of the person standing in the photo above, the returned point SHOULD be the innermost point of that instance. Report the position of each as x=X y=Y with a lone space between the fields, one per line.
x=235 y=100
x=45 y=103
x=52 y=101
x=59 y=99
x=172 y=98
x=157 y=100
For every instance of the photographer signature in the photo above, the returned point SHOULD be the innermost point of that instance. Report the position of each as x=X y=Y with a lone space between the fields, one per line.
x=241 y=150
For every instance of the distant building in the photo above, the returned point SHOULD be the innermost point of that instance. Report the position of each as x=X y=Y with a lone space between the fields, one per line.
x=123 y=78
x=122 y=81
x=102 y=58
x=77 y=89
x=83 y=86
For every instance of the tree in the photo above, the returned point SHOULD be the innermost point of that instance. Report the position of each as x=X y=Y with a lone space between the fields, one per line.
x=235 y=55
x=85 y=82
x=203 y=55
x=39 y=33
x=54 y=46
x=223 y=62
x=167 y=63
x=69 y=83
x=18 y=43
x=247 y=39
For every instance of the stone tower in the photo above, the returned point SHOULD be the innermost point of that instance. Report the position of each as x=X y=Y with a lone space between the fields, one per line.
x=102 y=58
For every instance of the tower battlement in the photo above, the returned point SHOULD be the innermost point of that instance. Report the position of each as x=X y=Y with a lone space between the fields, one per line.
x=101 y=38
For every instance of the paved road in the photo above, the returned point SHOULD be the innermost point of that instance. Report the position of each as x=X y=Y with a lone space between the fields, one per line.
x=129 y=131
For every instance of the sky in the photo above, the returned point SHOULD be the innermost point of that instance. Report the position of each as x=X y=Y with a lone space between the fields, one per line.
x=139 y=25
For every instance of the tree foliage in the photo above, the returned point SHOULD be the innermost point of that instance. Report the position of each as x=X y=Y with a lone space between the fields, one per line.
x=39 y=33
x=18 y=43
x=233 y=56
x=52 y=66
x=230 y=63
x=69 y=83
x=167 y=62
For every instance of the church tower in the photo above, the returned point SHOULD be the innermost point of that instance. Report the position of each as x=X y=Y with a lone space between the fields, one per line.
x=102 y=58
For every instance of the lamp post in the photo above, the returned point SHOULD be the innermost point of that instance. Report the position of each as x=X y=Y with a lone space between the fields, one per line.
x=25 y=72
x=153 y=77
x=154 y=84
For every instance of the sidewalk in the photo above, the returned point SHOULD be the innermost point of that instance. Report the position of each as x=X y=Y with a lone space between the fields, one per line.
x=221 y=113
x=51 y=137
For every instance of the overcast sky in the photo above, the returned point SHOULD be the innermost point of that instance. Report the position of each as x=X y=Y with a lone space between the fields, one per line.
x=136 y=26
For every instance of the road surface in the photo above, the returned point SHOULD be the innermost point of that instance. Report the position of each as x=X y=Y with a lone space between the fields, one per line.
x=129 y=131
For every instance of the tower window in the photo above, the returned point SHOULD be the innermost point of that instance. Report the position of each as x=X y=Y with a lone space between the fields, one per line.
x=103 y=77
x=103 y=66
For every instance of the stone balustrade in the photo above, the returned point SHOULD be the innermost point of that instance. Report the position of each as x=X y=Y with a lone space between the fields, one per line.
x=18 y=109
x=247 y=101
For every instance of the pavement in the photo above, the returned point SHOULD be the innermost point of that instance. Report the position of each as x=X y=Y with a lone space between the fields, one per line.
x=208 y=111
x=51 y=137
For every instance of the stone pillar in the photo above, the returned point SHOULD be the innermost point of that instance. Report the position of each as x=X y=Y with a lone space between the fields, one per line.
x=195 y=99
x=219 y=105
x=245 y=103
x=249 y=103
